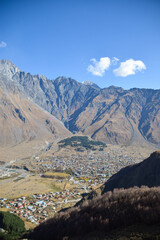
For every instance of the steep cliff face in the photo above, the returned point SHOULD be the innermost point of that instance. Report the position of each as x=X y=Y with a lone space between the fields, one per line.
x=61 y=97
x=71 y=97
x=112 y=115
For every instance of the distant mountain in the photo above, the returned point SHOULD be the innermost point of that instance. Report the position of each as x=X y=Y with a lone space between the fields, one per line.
x=112 y=115
x=145 y=173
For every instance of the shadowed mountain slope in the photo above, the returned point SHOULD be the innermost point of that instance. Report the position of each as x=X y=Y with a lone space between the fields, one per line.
x=144 y=173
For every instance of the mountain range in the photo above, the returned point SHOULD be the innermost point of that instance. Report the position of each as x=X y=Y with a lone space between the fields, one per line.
x=32 y=105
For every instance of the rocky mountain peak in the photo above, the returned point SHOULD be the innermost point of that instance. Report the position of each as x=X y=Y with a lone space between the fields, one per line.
x=115 y=89
x=89 y=83
x=7 y=68
x=65 y=81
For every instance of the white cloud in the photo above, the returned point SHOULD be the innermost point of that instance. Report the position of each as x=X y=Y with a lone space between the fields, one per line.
x=129 y=67
x=99 y=68
x=114 y=60
x=3 y=44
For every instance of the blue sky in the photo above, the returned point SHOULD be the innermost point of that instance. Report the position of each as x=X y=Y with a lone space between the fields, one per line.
x=108 y=42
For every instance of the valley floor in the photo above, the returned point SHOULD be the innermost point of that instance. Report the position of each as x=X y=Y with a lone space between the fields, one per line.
x=35 y=188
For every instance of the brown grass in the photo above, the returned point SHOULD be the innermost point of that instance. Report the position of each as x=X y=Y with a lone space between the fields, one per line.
x=31 y=185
